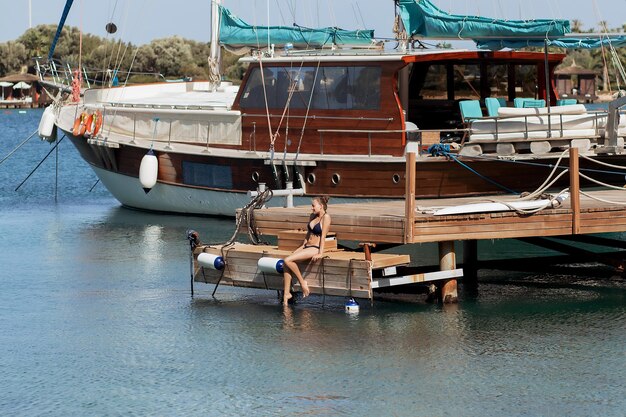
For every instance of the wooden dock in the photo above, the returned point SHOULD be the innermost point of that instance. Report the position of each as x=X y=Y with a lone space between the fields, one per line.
x=386 y=222
x=411 y=221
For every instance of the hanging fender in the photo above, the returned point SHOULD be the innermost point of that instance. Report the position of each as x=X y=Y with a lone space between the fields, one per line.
x=148 y=171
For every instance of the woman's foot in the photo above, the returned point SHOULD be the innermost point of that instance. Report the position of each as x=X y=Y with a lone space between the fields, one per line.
x=286 y=298
x=305 y=289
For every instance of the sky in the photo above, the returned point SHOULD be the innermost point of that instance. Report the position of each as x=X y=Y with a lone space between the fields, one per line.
x=140 y=21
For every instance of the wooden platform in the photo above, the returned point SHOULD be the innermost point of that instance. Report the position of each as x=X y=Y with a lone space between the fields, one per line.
x=385 y=222
x=340 y=272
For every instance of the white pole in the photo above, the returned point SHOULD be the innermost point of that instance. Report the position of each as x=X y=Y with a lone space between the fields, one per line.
x=268 y=26
x=30 y=14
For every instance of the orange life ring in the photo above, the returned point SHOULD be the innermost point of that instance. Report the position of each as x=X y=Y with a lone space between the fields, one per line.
x=79 y=125
x=88 y=126
x=97 y=122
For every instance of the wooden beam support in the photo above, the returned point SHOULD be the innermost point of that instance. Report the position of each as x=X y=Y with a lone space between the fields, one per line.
x=409 y=208
x=470 y=262
x=447 y=262
x=574 y=189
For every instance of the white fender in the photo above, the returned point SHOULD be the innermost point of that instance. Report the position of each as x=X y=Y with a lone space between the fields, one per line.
x=271 y=265
x=46 y=124
x=208 y=260
x=148 y=171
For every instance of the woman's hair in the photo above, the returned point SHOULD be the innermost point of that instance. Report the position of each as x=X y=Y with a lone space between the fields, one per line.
x=323 y=200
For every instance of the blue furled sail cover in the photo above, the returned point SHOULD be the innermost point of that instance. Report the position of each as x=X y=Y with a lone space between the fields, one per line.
x=422 y=18
x=568 y=43
x=237 y=33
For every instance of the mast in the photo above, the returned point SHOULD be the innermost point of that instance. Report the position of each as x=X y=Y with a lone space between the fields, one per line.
x=215 y=56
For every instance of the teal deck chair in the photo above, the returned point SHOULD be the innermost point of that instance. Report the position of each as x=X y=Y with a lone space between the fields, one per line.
x=566 y=102
x=493 y=104
x=470 y=110
x=524 y=102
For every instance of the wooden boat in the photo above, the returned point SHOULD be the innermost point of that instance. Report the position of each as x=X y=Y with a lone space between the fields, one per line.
x=333 y=122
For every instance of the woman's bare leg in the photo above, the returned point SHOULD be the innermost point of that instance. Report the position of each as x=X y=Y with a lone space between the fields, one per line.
x=286 y=288
x=290 y=263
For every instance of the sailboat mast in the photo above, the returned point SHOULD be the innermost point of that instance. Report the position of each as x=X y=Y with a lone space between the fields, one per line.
x=215 y=56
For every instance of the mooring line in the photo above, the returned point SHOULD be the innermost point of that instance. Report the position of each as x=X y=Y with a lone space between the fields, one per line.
x=40 y=162
x=18 y=146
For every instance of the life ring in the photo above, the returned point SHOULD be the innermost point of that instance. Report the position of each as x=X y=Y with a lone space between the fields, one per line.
x=80 y=125
x=97 y=122
x=88 y=124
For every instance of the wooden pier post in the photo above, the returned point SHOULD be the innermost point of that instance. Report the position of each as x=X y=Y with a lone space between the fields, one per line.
x=409 y=194
x=447 y=262
x=574 y=189
x=470 y=262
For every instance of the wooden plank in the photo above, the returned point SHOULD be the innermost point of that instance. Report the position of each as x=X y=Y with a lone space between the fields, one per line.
x=416 y=278
x=574 y=189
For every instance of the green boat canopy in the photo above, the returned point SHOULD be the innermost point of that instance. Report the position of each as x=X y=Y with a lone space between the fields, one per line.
x=236 y=33
x=422 y=18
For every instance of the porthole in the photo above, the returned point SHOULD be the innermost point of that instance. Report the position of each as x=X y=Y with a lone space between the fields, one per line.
x=311 y=178
x=255 y=176
x=395 y=178
x=335 y=179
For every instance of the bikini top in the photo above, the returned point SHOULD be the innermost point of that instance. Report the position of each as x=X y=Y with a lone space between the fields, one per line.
x=317 y=229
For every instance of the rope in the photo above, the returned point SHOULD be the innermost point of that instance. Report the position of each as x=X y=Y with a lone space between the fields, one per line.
x=512 y=161
x=308 y=107
x=19 y=146
x=613 y=187
x=619 y=203
x=603 y=163
x=497 y=184
x=247 y=215
x=350 y=278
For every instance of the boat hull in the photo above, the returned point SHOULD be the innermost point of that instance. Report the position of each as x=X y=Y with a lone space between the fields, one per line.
x=436 y=177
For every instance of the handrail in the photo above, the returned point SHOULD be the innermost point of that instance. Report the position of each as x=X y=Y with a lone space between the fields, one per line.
x=314 y=117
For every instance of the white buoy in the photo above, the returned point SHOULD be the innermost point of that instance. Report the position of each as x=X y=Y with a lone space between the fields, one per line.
x=208 y=260
x=46 y=124
x=352 y=306
x=271 y=265
x=148 y=171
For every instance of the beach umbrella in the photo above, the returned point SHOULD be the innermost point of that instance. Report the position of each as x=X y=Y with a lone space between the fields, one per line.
x=21 y=85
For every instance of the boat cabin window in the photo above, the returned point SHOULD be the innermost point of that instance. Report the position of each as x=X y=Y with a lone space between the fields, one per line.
x=525 y=80
x=435 y=88
x=326 y=88
x=498 y=81
x=466 y=82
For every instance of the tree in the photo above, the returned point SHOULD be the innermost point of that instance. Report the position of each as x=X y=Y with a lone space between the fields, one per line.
x=12 y=57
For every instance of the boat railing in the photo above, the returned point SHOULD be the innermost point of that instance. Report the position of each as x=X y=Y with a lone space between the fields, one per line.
x=500 y=121
x=357 y=131
x=61 y=73
x=318 y=117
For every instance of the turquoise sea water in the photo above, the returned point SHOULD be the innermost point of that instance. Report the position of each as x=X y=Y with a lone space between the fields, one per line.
x=96 y=319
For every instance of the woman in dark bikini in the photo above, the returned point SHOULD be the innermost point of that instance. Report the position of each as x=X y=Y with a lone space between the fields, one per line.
x=311 y=248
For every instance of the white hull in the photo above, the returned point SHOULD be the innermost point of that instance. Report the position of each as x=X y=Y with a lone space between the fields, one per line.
x=187 y=200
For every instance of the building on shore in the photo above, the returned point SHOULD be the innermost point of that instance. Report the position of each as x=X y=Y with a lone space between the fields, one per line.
x=577 y=83
x=22 y=91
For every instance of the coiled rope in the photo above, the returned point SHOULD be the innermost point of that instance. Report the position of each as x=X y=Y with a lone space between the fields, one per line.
x=246 y=215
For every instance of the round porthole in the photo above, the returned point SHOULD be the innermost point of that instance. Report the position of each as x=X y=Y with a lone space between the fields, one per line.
x=255 y=176
x=311 y=178
x=335 y=179
x=395 y=178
